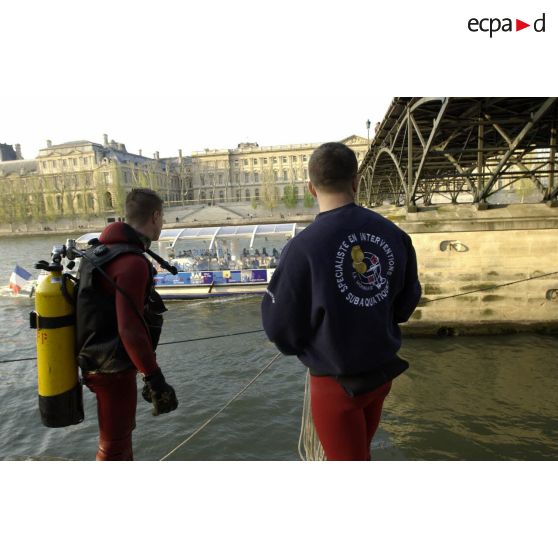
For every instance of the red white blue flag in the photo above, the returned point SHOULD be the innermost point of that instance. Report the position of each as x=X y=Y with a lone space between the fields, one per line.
x=19 y=279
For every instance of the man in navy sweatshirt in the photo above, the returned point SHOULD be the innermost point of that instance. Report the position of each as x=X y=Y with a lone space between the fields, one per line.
x=340 y=290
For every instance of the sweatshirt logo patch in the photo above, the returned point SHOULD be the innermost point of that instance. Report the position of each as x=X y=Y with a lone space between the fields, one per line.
x=367 y=272
x=363 y=263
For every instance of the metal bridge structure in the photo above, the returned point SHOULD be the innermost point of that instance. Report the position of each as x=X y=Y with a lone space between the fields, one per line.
x=461 y=150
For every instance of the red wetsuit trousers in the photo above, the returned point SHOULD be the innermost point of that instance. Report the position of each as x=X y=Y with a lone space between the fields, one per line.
x=344 y=424
x=116 y=410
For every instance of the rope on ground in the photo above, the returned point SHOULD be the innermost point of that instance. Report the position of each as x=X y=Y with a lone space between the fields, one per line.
x=202 y=426
x=309 y=445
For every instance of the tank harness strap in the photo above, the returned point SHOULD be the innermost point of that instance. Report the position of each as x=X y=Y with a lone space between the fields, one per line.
x=100 y=254
x=43 y=322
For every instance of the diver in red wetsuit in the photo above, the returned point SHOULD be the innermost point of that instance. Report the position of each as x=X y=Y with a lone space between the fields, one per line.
x=119 y=323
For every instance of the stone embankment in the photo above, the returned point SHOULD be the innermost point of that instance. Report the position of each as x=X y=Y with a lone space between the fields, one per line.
x=460 y=249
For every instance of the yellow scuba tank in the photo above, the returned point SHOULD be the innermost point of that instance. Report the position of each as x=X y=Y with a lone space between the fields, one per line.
x=59 y=386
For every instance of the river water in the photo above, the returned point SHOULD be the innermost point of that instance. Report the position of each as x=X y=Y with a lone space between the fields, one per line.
x=472 y=398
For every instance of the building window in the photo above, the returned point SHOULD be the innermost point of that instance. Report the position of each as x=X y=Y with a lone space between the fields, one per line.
x=236 y=178
x=108 y=200
x=53 y=163
x=75 y=161
x=294 y=158
x=87 y=179
x=64 y=162
x=221 y=196
x=257 y=194
x=245 y=161
x=202 y=179
x=255 y=161
x=126 y=176
x=265 y=161
x=211 y=178
x=247 y=195
x=295 y=175
x=256 y=177
x=246 y=178
x=85 y=159
x=295 y=192
x=220 y=179
x=238 y=195
x=306 y=173
x=90 y=201
x=304 y=158
x=285 y=175
x=284 y=159
x=107 y=178
x=202 y=196
x=59 y=202
x=274 y=159
x=275 y=175
x=44 y=165
x=236 y=163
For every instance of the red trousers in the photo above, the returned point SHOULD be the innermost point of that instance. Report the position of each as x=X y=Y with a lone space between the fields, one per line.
x=344 y=424
x=116 y=410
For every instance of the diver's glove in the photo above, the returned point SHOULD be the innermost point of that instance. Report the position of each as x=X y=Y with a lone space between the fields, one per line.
x=159 y=393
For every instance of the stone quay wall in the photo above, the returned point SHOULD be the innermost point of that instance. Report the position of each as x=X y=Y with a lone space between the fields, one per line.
x=461 y=249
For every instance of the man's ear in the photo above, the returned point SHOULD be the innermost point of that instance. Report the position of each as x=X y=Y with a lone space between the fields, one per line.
x=355 y=182
x=312 y=190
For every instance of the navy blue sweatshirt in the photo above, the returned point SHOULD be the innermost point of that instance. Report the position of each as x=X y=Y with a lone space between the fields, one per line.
x=340 y=289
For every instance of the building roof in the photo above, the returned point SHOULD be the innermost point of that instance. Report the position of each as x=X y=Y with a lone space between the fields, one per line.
x=115 y=151
x=48 y=151
x=247 y=148
x=74 y=143
x=7 y=152
x=22 y=166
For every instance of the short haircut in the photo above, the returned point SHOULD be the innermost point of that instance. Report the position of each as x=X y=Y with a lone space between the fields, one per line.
x=332 y=167
x=140 y=205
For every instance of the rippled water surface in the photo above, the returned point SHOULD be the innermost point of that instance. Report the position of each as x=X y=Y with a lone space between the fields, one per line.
x=462 y=398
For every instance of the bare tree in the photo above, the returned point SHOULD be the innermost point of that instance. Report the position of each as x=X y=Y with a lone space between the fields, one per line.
x=270 y=191
x=289 y=198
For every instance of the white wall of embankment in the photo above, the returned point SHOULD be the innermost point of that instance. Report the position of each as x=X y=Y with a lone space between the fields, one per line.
x=456 y=256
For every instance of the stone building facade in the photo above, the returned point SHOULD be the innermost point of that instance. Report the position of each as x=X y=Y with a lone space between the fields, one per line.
x=83 y=176
x=80 y=180
x=242 y=174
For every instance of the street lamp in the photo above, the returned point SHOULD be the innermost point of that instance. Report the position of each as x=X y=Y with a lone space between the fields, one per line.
x=368 y=130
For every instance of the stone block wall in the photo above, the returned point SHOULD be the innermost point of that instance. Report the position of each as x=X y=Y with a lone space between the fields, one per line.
x=457 y=262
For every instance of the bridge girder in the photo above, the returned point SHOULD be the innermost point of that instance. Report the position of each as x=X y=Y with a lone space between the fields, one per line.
x=460 y=145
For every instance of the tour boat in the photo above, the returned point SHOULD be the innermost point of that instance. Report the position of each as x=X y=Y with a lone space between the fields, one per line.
x=217 y=261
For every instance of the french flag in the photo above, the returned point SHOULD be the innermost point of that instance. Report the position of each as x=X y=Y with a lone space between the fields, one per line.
x=19 y=279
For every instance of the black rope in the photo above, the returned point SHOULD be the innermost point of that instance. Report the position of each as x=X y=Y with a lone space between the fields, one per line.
x=212 y=337
x=17 y=360
x=261 y=330
x=160 y=344
x=489 y=288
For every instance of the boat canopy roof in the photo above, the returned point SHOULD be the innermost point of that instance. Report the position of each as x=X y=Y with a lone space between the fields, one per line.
x=172 y=236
